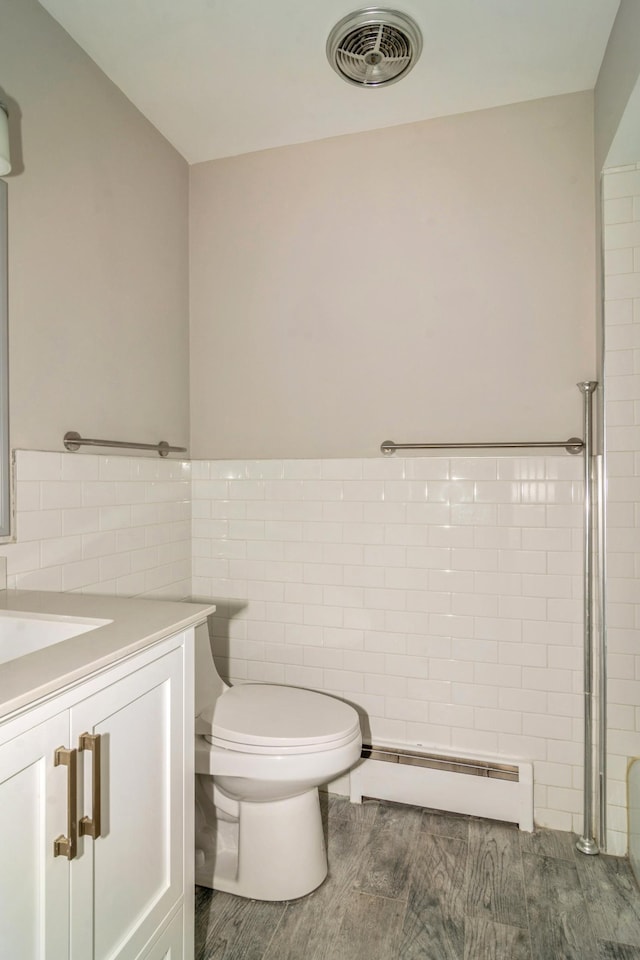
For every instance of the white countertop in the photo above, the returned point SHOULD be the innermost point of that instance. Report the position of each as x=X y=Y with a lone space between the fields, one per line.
x=135 y=624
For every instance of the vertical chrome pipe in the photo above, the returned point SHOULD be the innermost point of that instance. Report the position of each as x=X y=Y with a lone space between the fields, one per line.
x=602 y=651
x=586 y=843
x=601 y=546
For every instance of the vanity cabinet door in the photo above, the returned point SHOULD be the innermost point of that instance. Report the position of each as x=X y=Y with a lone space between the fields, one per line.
x=127 y=880
x=34 y=885
x=169 y=945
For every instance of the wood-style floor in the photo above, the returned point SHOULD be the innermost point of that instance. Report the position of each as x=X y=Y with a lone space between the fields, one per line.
x=411 y=883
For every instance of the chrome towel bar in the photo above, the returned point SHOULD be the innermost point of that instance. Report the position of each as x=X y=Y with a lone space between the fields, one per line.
x=572 y=445
x=73 y=441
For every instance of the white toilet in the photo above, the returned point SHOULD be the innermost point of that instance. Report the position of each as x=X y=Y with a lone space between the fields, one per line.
x=261 y=752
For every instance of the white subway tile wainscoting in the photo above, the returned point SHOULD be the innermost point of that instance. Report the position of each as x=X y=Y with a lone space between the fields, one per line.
x=440 y=596
x=101 y=524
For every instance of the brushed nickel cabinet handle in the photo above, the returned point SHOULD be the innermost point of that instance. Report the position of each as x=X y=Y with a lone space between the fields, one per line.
x=68 y=846
x=90 y=826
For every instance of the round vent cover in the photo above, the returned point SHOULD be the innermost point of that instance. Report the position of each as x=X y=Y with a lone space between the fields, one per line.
x=374 y=47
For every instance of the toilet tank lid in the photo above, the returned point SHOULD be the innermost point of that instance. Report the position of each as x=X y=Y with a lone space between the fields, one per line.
x=267 y=714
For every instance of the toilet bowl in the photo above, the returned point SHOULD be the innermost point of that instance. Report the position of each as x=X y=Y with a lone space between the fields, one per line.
x=261 y=752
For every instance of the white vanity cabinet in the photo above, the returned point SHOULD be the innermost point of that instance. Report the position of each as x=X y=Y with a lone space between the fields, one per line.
x=127 y=769
x=34 y=887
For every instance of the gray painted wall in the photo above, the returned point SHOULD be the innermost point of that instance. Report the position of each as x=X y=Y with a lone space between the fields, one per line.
x=433 y=281
x=98 y=249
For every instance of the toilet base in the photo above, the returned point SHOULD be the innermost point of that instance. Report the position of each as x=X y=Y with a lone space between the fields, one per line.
x=271 y=851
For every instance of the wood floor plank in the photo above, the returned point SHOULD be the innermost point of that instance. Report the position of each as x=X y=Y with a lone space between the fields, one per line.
x=617 y=951
x=495 y=888
x=233 y=928
x=548 y=843
x=433 y=927
x=342 y=807
x=385 y=869
x=430 y=896
x=310 y=926
x=370 y=929
x=446 y=824
x=486 y=940
x=611 y=891
x=558 y=915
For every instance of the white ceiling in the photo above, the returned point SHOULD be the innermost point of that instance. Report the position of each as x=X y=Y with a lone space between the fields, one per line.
x=223 y=77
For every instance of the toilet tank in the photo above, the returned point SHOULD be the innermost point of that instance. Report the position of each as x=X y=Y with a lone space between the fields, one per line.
x=208 y=682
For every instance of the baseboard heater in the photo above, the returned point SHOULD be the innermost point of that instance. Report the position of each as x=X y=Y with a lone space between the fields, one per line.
x=498 y=790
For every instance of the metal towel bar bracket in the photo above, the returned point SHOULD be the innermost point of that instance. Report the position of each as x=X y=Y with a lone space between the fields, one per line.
x=73 y=441
x=572 y=445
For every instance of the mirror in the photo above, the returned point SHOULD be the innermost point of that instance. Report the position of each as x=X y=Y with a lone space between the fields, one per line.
x=5 y=452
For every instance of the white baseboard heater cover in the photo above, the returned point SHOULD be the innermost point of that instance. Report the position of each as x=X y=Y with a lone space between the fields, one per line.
x=479 y=787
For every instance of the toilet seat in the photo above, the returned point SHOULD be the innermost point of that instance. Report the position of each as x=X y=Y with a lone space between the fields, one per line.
x=269 y=719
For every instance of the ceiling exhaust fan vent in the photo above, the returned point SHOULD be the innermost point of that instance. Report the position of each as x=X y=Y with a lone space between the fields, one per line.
x=374 y=47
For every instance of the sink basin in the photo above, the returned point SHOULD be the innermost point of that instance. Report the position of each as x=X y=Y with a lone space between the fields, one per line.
x=22 y=633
